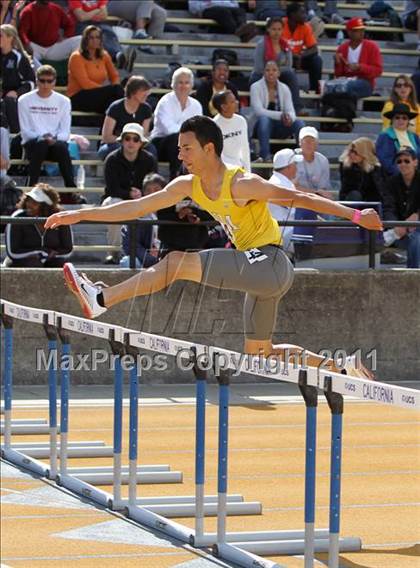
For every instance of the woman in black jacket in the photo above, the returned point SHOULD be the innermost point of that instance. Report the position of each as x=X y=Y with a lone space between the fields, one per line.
x=360 y=172
x=30 y=245
x=17 y=74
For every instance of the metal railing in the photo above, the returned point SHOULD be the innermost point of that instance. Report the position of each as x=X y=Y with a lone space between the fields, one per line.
x=133 y=227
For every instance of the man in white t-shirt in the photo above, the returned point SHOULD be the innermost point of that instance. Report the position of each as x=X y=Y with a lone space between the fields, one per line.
x=284 y=172
x=234 y=127
x=45 y=120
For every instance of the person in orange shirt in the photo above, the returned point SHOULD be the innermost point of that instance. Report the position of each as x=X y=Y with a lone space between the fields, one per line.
x=302 y=43
x=89 y=69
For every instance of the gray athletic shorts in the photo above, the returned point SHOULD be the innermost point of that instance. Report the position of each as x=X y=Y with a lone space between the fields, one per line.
x=264 y=274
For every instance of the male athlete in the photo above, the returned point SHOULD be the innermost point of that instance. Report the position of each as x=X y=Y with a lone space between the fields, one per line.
x=238 y=200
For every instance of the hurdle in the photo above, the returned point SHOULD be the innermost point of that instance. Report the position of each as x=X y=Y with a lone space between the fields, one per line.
x=245 y=549
x=82 y=480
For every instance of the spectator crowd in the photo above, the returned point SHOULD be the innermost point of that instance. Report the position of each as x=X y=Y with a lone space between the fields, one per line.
x=65 y=63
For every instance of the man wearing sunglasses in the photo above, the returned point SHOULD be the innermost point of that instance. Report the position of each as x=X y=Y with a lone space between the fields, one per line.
x=125 y=170
x=45 y=120
x=402 y=203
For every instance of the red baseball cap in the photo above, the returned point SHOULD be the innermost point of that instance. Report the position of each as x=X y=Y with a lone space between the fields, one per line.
x=355 y=24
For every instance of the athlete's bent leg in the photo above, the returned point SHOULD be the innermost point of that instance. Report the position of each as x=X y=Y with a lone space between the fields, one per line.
x=175 y=266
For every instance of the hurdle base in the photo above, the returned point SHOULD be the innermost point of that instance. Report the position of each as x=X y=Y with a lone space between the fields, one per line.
x=141 y=477
x=297 y=546
x=173 y=500
x=24 y=461
x=84 y=489
x=148 y=518
x=242 y=557
x=210 y=509
x=209 y=539
x=111 y=469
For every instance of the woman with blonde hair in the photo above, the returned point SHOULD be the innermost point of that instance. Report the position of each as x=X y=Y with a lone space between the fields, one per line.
x=18 y=77
x=31 y=245
x=360 y=172
x=403 y=91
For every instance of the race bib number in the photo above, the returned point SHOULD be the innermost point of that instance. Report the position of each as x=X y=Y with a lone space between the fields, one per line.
x=255 y=255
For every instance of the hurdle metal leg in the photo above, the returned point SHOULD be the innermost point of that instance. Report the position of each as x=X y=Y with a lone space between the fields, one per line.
x=117 y=348
x=7 y=451
x=133 y=433
x=310 y=395
x=336 y=404
x=8 y=379
x=200 y=444
x=51 y=333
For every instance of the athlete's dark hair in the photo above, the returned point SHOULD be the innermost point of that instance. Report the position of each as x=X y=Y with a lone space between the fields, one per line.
x=205 y=130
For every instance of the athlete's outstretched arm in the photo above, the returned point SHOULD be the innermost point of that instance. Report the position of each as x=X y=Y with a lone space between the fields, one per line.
x=126 y=210
x=254 y=187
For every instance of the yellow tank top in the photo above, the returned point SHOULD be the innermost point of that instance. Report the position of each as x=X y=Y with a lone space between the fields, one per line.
x=248 y=227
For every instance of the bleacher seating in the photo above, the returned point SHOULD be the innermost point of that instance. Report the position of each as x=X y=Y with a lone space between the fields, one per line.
x=193 y=46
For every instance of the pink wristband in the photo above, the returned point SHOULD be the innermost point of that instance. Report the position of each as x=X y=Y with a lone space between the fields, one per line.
x=357 y=215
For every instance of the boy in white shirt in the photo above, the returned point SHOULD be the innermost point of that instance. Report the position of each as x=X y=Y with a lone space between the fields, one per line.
x=234 y=127
x=45 y=120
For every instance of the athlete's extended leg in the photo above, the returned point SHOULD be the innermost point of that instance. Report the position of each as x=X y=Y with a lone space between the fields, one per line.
x=175 y=266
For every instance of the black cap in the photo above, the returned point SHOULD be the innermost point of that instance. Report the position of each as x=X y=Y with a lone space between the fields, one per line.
x=407 y=151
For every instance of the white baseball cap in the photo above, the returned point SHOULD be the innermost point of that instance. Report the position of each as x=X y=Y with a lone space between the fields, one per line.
x=308 y=131
x=39 y=196
x=285 y=157
x=133 y=128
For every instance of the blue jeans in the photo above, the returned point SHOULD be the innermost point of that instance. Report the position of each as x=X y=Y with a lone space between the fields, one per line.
x=106 y=149
x=413 y=249
x=359 y=88
x=267 y=128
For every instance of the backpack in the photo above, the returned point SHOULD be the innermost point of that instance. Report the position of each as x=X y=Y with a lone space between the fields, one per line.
x=389 y=17
x=338 y=105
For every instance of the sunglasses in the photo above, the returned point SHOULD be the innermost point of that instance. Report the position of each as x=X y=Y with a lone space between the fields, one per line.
x=404 y=161
x=401 y=85
x=46 y=81
x=132 y=139
x=95 y=37
x=353 y=151
x=401 y=117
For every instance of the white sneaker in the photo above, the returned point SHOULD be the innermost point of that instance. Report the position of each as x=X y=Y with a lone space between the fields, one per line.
x=85 y=291
x=353 y=368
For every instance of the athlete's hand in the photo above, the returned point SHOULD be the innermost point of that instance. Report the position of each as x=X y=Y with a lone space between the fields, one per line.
x=62 y=218
x=370 y=220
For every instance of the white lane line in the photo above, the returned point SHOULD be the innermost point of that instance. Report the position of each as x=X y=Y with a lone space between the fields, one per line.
x=138 y=554
x=28 y=517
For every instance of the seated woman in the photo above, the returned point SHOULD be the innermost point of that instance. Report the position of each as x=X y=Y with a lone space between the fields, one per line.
x=360 y=172
x=272 y=47
x=398 y=135
x=17 y=74
x=272 y=104
x=132 y=108
x=403 y=91
x=89 y=70
x=31 y=245
x=171 y=111
x=217 y=83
